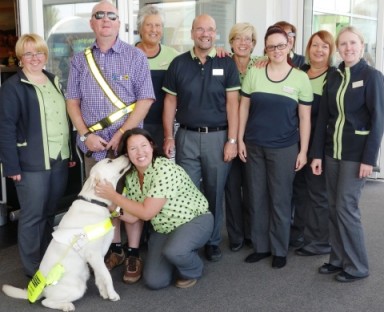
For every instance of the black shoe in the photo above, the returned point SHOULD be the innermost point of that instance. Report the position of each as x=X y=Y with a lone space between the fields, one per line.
x=248 y=242
x=345 y=277
x=279 y=262
x=257 y=256
x=328 y=268
x=212 y=253
x=298 y=243
x=305 y=253
x=236 y=246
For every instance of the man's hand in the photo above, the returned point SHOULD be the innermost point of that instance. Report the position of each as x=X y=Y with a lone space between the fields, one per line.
x=230 y=151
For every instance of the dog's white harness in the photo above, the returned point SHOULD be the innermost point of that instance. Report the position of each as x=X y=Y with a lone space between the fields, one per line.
x=74 y=238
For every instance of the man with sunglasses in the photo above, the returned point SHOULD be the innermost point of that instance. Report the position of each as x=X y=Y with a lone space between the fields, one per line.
x=126 y=71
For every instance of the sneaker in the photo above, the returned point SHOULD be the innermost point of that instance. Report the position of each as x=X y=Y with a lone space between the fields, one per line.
x=185 y=283
x=113 y=259
x=212 y=253
x=345 y=277
x=133 y=269
x=328 y=268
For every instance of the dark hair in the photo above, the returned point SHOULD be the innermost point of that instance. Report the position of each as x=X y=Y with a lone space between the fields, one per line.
x=122 y=149
x=277 y=30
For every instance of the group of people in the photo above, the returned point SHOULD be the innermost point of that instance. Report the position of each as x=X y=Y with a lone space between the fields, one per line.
x=288 y=141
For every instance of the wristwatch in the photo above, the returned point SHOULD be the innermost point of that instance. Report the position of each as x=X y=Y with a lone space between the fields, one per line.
x=84 y=136
x=232 y=141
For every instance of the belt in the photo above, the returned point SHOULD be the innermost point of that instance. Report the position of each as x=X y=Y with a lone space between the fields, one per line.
x=204 y=129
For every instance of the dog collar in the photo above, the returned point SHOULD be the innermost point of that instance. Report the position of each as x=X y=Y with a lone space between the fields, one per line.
x=93 y=201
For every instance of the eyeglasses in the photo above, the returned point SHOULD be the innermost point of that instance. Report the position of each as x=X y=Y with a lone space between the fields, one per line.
x=291 y=34
x=30 y=55
x=201 y=30
x=272 y=48
x=242 y=39
x=101 y=14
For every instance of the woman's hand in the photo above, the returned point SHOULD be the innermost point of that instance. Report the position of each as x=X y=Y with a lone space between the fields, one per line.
x=316 y=166
x=105 y=189
x=16 y=178
x=365 y=170
x=242 y=151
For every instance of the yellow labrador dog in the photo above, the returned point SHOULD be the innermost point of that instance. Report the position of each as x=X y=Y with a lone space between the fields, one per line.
x=81 y=238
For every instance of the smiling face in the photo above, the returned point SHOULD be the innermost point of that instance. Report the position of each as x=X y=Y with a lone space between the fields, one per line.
x=33 y=60
x=152 y=29
x=277 y=48
x=242 y=44
x=140 y=151
x=350 y=48
x=203 y=33
x=319 y=52
x=104 y=27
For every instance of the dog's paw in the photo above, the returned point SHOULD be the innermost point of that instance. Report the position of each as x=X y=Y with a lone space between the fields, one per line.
x=103 y=294
x=69 y=307
x=114 y=296
x=63 y=306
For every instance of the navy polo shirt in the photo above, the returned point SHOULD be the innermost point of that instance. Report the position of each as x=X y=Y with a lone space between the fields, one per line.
x=201 y=88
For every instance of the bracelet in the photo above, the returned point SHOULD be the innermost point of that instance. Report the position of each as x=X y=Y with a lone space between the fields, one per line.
x=169 y=138
x=121 y=130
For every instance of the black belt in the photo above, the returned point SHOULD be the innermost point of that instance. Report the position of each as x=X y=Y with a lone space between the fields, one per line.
x=204 y=129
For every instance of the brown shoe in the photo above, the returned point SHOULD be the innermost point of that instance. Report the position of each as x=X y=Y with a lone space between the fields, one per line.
x=185 y=283
x=113 y=259
x=133 y=269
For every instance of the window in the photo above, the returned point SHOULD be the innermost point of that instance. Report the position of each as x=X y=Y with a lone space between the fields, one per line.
x=332 y=15
x=179 y=16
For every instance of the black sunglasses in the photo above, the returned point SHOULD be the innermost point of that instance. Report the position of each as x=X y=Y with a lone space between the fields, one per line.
x=101 y=14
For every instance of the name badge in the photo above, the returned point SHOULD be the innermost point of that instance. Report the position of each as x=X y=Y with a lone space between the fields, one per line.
x=217 y=72
x=358 y=84
x=289 y=90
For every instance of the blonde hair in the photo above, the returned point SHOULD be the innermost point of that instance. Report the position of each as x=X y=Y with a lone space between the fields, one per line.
x=240 y=29
x=351 y=29
x=35 y=39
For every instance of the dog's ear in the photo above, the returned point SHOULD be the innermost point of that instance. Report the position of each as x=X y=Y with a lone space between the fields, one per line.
x=91 y=182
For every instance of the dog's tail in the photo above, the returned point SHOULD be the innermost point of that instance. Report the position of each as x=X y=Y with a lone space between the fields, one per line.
x=15 y=292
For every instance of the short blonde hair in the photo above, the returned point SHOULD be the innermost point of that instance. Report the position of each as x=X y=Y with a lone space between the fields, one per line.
x=240 y=29
x=35 y=39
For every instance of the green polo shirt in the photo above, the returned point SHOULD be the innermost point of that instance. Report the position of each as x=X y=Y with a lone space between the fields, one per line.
x=56 y=122
x=165 y=179
x=201 y=88
x=158 y=65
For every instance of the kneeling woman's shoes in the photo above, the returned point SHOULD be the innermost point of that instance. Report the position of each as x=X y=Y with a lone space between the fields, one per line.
x=185 y=283
x=345 y=277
